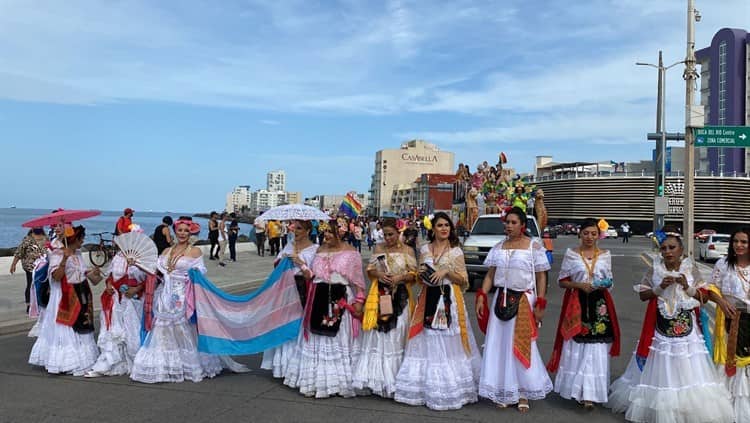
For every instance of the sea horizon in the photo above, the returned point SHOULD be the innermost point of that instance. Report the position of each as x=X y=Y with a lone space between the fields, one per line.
x=11 y=231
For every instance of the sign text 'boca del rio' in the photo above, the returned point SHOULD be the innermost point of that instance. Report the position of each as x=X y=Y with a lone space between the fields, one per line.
x=419 y=158
x=722 y=136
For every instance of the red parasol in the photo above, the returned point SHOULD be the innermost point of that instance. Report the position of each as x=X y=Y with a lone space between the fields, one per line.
x=60 y=217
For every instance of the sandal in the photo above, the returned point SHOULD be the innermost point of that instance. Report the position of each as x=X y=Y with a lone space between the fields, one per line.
x=588 y=405
x=523 y=405
x=501 y=405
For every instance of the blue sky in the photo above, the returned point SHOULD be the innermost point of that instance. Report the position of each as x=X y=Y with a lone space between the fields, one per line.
x=157 y=106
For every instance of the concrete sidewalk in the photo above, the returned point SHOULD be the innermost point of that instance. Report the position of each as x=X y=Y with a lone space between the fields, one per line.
x=248 y=272
x=242 y=276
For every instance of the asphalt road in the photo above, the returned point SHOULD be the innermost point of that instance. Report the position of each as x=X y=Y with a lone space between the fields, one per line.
x=29 y=394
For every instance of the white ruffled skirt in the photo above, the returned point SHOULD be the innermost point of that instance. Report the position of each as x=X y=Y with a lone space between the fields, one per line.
x=436 y=370
x=739 y=388
x=323 y=365
x=58 y=348
x=381 y=354
x=120 y=343
x=170 y=352
x=504 y=380
x=583 y=374
x=678 y=384
x=277 y=359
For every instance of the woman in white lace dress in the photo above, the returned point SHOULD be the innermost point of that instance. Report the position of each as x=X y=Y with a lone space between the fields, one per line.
x=512 y=369
x=65 y=341
x=730 y=289
x=170 y=351
x=588 y=330
x=392 y=267
x=323 y=367
x=441 y=364
x=120 y=319
x=671 y=377
x=302 y=252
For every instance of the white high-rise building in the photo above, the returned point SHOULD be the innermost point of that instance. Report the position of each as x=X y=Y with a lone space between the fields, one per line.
x=239 y=199
x=263 y=200
x=276 y=181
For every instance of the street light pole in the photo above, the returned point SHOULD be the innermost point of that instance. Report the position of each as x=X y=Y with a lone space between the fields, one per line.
x=690 y=77
x=661 y=141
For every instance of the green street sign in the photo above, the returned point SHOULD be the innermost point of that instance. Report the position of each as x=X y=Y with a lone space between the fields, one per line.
x=722 y=136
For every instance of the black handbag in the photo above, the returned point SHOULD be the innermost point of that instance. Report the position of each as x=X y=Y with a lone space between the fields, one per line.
x=326 y=296
x=511 y=304
x=426 y=274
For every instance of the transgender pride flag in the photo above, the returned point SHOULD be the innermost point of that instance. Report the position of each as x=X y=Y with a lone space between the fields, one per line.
x=251 y=323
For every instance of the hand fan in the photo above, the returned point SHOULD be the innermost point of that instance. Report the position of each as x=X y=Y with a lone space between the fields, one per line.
x=140 y=248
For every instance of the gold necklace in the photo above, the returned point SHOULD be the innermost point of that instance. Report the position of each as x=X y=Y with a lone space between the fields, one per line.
x=589 y=268
x=174 y=257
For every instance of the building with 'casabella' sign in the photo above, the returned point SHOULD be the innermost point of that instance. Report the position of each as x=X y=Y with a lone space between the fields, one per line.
x=402 y=166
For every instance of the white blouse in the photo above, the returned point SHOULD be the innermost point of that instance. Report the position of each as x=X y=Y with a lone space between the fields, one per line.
x=516 y=268
x=674 y=298
x=729 y=282
x=573 y=267
x=307 y=254
x=75 y=267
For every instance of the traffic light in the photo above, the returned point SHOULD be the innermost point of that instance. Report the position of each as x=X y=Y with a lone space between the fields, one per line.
x=661 y=190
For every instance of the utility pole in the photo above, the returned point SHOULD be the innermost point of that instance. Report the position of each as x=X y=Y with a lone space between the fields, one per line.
x=661 y=138
x=690 y=77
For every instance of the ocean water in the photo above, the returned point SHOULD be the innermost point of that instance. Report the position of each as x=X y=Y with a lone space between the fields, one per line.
x=11 y=232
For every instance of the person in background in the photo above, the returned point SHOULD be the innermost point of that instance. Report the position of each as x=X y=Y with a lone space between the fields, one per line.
x=356 y=236
x=314 y=232
x=234 y=232
x=411 y=233
x=31 y=248
x=213 y=235
x=124 y=222
x=273 y=228
x=223 y=237
x=162 y=235
x=625 y=228
x=378 y=236
x=284 y=235
x=260 y=236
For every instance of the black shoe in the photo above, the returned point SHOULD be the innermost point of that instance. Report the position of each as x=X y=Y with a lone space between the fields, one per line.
x=211 y=258
x=222 y=264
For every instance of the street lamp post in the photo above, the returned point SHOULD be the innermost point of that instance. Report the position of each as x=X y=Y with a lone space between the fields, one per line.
x=661 y=142
x=690 y=75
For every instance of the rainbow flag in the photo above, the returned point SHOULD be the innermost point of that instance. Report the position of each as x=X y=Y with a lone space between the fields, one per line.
x=350 y=206
x=250 y=323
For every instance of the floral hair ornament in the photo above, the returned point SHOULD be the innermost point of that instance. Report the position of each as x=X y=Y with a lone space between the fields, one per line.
x=324 y=226
x=194 y=228
x=660 y=235
x=427 y=221
x=602 y=225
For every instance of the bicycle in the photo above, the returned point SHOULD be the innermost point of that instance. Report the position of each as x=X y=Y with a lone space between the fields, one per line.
x=104 y=251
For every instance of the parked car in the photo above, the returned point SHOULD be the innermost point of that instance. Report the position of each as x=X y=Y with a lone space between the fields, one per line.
x=571 y=229
x=488 y=230
x=611 y=232
x=713 y=247
x=703 y=234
